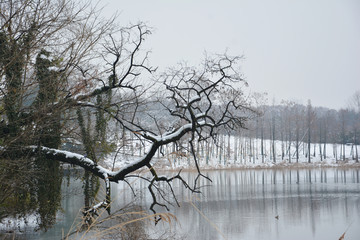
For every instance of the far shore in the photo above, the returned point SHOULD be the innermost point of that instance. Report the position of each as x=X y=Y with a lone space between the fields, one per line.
x=276 y=166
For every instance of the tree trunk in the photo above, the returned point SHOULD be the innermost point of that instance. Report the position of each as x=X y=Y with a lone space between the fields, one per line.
x=262 y=143
x=235 y=148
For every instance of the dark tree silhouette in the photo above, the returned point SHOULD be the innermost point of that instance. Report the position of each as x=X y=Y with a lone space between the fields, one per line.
x=83 y=63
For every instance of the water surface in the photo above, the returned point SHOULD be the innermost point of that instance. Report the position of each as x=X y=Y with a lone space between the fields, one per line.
x=248 y=204
x=275 y=204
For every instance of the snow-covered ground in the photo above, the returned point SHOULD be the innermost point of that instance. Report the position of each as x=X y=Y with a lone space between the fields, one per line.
x=240 y=152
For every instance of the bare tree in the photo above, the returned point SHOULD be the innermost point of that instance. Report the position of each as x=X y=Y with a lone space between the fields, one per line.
x=309 y=123
x=42 y=45
x=354 y=104
x=94 y=59
x=273 y=130
x=260 y=100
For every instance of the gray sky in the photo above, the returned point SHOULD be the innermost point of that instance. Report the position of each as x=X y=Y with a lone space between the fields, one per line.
x=293 y=50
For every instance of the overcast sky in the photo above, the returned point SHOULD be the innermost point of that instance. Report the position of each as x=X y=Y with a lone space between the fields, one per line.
x=293 y=50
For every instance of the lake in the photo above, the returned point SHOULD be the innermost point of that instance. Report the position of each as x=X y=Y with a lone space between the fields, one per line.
x=310 y=204
x=247 y=204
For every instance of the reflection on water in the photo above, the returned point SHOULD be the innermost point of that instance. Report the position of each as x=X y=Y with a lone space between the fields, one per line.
x=243 y=204
x=30 y=190
x=310 y=204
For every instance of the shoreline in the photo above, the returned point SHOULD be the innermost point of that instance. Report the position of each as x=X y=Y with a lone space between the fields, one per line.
x=273 y=166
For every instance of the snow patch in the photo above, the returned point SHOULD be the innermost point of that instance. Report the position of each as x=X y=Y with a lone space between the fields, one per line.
x=43 y=56
x=54 y=68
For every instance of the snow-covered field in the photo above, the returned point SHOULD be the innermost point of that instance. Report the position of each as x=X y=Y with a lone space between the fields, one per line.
x=240 y=152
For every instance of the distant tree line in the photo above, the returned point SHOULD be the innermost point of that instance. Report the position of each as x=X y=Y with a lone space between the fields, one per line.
x=302 y=125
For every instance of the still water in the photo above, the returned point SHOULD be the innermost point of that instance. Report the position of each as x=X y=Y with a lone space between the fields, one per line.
x=310 y=204
x=249 y=204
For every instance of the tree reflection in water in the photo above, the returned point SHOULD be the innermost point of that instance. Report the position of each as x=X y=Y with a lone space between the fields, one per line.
x=30 y=189
x=47 y=192
x=243 y=204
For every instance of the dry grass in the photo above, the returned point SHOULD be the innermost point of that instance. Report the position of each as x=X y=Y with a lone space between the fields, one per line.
x=207 y=219
x=128 y=223
x=342 y=237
